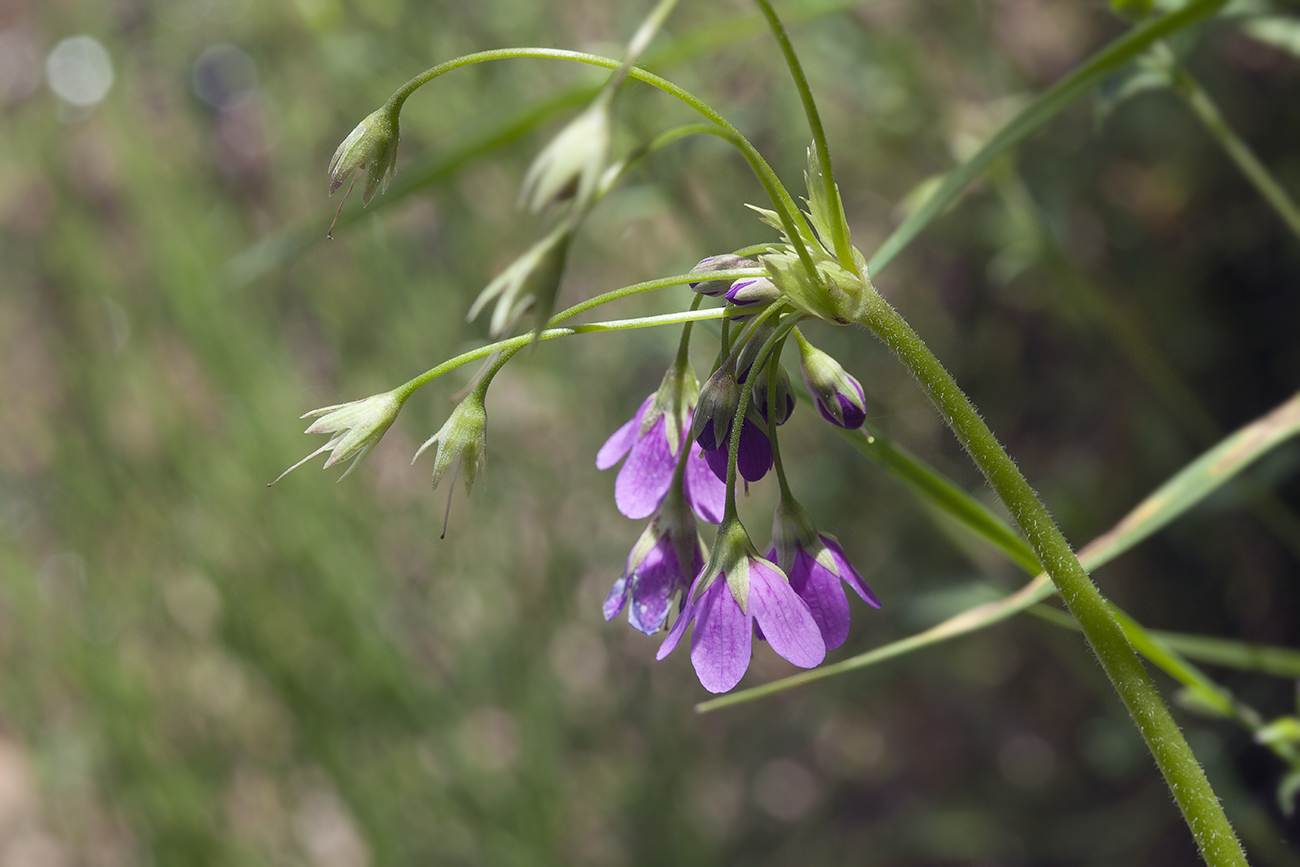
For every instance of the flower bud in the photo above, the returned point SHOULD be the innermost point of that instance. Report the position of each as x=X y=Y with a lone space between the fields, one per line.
x=753 y=291
x=725 y=262
x=371 y=146
x=716 y=410
x=838 y=395
x=571 y=165
x=784 y=397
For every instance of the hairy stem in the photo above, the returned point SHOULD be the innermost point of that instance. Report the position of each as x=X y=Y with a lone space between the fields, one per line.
x=1183 y=774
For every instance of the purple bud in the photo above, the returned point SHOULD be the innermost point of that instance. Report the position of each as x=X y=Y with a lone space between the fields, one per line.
x=725 y=262
x=838 y=395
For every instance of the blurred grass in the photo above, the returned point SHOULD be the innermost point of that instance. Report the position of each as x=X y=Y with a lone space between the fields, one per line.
x=202 y=671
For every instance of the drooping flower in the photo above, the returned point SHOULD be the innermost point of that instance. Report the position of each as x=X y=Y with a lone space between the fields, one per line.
x=818 y=570
x=753 y=458
x=838 y=395
x=652 y=455
x=661 y=565
x=571 y=165
x=735 y=592
x=652 y=441
x=531 y=281
x=356 y=427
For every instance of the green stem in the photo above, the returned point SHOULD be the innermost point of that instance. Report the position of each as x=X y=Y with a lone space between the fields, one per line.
x=781 y=199
x=839 y=231
x=1183 y=774
x=1238 y=151
x=409 y=387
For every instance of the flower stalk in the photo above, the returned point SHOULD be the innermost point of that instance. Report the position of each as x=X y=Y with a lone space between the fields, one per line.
x=1183 y=774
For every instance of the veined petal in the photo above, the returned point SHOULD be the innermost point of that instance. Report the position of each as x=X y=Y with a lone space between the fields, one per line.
x=654 y=583
x=721 y=643
x=705 y=491
x=824 y=595
x=645 y=477
x=616 y=599
x=847 y=572
x=621 y=442
x=679 y=628
x=786 y=622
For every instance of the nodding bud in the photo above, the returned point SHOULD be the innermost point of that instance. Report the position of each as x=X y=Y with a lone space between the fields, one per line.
x=725 y=262
x=751 y=291
x=371 y=146
x=763 y=392
x=716 y=411
x=571 y=165
x=838 y=395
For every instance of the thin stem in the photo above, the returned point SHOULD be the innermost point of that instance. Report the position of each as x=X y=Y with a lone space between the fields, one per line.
x=781 y=199
x=1183 y=774
x=773 y=364
x=839 y=231
x=406 y=389
x=1238 y=151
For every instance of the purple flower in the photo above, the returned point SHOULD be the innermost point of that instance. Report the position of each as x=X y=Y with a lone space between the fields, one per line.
x=838 y=395
x=652 y=456
x=817 y=568
x=736 y=592
x=654 y=575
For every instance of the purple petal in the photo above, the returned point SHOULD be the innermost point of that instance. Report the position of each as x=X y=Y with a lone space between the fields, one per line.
x=679 y=628
x=655 y=581
x=644 y=479
x=705 y=491
x=848 y=573
x=824 y=595
x=755 y=456
x=785 y=619
x=616 y=599
x=618 y=445
x=717 y=461
x=720 y=645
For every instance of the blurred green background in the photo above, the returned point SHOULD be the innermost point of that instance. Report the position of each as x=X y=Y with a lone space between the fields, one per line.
x=198 y=670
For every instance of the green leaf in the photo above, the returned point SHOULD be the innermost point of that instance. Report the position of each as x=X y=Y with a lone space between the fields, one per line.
x=1036 y=114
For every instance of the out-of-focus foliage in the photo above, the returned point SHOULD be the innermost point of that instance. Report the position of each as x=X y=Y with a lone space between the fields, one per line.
x=199 y=670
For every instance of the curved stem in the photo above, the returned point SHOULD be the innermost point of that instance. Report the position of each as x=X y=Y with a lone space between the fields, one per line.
x=1183 y=774
x=781 y=199
x=839 y=231
x=407 y=388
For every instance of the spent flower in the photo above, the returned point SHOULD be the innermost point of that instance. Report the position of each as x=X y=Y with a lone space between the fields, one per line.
x=532 y=280
x=372 y=147
x=570 y=166
x=735 y=593
x=461 y=441
x=356 y=428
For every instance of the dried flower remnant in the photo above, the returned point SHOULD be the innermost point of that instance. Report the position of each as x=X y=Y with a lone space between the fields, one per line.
x=371 y=147
x=356 y=427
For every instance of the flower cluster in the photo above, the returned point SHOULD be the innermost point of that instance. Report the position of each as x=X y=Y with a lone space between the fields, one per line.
x=794 y=598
